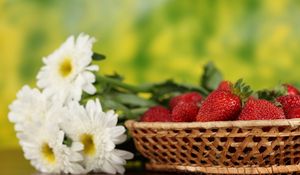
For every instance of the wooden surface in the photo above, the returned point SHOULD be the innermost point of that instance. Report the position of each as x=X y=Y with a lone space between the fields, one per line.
x=12 y=162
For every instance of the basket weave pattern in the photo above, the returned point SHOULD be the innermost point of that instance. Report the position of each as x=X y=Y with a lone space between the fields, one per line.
x=231 y=147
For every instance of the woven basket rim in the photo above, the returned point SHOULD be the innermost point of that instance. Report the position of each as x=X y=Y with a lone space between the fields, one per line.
x=215 y=124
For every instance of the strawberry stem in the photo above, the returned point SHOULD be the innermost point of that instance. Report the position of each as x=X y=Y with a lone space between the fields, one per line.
x=242 y=90
x=118 y=83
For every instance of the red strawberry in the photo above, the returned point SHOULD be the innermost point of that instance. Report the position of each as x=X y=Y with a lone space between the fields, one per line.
x=156 y=114
x=219 y=106
x=289 y=102
x=259 y=109
x=188 y=97
x=291 y=90
x=185 y=112
x=294 y=113
x=225 y=86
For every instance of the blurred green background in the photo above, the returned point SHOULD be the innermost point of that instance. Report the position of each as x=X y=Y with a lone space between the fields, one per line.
x=152 y=40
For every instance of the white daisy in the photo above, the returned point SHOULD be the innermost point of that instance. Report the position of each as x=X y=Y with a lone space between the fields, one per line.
x=67 y=71
x=43 y=146
x=30 y=106
x=98 y=132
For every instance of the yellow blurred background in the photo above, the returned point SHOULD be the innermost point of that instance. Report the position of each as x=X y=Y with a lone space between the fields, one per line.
x=152 y=40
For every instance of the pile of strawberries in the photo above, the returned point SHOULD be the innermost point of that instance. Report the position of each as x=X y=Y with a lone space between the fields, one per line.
x=230 y=101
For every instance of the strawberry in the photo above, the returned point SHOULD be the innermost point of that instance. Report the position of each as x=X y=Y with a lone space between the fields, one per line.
x=219 y=106
x=291 y=90
x=288 y=102
x=293 y=113
x=156 y=114
x=260 y=109
x=185 y=112
x=224 y=104
x=225 y=85
x=193 y=97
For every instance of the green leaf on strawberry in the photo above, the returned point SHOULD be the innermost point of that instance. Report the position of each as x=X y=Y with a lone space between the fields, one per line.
x=271 y=94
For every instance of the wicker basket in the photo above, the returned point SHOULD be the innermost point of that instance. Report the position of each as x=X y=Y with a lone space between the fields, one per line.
x=230 y=147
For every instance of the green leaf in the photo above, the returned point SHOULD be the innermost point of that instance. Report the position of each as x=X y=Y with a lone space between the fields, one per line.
x=162 y=92
x=272 y=94
x=67 y=141
x=116 y=76
x=109 y=103
x=98 y=57
x=242 y=90
x=211 y=77
x=139 y=111
x=133 y=100
x=117 y=83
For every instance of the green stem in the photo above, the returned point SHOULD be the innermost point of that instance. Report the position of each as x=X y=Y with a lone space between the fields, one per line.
x=118 y=83
x=143 y=88
x=139 y=110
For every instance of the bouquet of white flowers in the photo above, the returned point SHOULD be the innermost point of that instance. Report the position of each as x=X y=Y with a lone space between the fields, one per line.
x=63 y=127
x=56 y=132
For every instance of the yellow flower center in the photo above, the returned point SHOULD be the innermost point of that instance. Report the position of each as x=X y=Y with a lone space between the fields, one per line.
x=48 y=153
x=65 y=67
x=89 y=146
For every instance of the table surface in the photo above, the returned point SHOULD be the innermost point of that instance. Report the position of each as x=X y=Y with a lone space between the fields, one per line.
x=12 y=162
